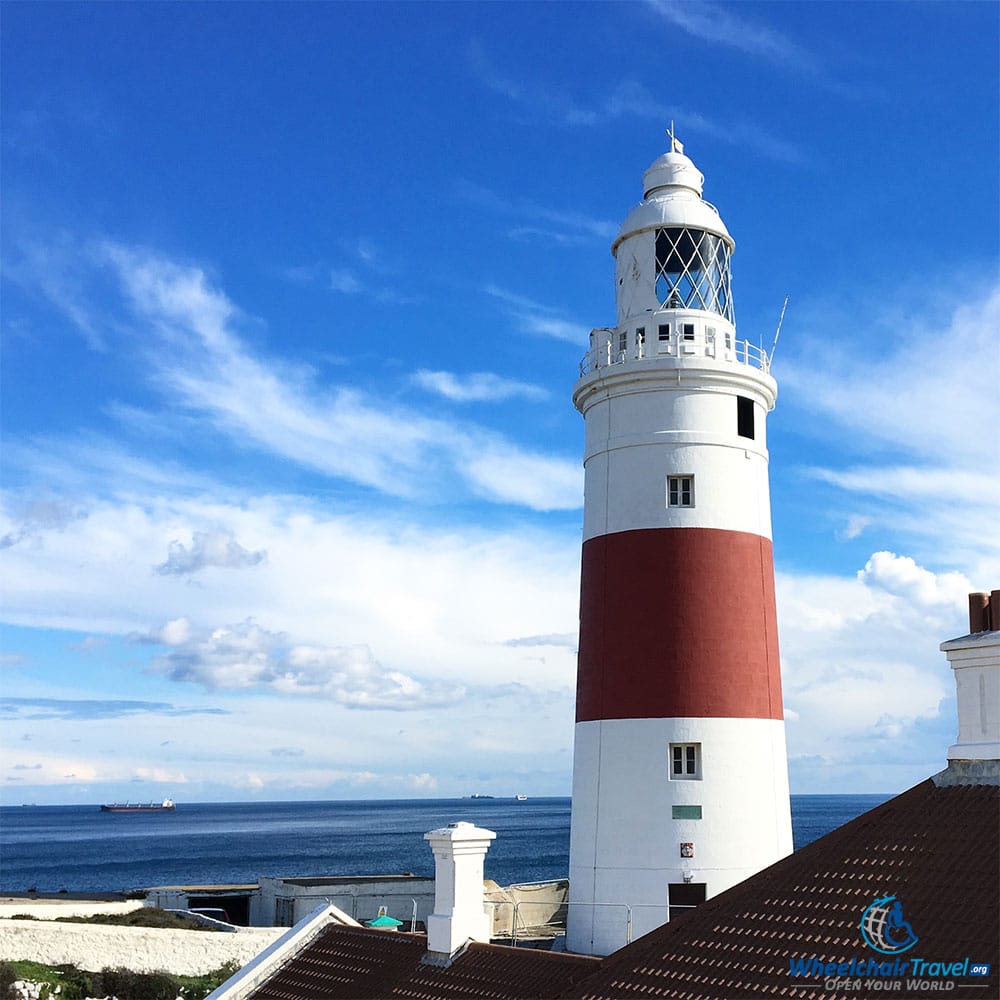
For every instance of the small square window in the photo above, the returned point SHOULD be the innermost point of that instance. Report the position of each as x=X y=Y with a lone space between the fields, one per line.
x=729 y=341
x=685 y=762
x=688 y=331
x=623 y=342
x=663 y=333
x=680 y=491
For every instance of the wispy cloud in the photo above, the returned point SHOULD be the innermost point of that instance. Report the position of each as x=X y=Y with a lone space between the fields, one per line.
x=628 y=99
x=476 y=387
x=49 y=270
x=534 y=317
x=561 y=226
x=925 y=428
x=92 y=708
x=89 y=644
x=565 y=639
x=199 y=363
x=720 y=24
x=361 y=270
x=344 y=280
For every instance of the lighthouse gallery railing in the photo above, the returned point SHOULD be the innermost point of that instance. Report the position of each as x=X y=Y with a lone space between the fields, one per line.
x=707 y=345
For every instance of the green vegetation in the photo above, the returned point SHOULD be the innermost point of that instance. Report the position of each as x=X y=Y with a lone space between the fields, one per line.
x=76 y=984
x=145 y=916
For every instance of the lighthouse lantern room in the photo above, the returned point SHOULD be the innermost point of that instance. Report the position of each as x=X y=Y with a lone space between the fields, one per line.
x=680 y=780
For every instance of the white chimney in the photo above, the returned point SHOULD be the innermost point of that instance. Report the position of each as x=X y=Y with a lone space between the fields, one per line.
x=975 y=658
x=459 y=911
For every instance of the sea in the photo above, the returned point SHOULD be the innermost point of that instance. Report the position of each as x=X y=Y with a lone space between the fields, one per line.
x=79 y=849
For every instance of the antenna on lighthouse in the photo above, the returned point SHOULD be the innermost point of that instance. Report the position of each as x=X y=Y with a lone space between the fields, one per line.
x=777 y=332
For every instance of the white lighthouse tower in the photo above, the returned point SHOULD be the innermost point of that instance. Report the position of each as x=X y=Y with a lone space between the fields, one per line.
x=680 y=776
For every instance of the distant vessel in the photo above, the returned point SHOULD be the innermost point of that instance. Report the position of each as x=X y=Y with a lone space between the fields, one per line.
x=521 y=798
x=167 y=805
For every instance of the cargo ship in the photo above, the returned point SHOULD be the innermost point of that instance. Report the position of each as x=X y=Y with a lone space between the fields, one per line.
x=167 y=805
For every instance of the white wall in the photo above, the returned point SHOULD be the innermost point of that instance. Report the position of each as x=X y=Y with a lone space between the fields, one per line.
x=623 y=794
x=49 y=909
x=93 y=947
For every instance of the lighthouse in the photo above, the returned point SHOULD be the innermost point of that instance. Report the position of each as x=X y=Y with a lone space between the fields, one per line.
x=680 y=775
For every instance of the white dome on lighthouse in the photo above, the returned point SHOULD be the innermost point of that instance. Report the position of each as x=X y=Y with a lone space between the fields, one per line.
x=672 y=170
x=672 y=188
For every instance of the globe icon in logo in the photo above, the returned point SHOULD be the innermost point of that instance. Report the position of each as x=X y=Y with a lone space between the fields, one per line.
x=884 y=929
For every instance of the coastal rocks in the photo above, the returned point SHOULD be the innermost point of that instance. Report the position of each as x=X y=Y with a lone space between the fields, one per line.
x=23 y=989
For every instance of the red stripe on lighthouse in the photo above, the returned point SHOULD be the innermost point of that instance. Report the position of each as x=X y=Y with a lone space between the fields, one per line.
x=678 y=623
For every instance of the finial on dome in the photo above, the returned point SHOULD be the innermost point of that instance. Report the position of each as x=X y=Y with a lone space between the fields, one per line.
x=676 y=146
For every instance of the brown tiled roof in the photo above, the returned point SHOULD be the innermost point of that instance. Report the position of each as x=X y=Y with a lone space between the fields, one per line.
x=349 y=963
x=935 y=849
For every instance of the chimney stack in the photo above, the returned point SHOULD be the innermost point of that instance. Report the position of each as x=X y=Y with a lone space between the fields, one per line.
x=459 y=911
x=975 y=658
x=984 y=612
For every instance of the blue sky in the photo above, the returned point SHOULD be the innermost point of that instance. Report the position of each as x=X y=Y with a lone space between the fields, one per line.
x=293 y=301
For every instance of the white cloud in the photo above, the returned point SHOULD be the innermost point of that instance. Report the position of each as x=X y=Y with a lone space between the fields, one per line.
x=930 y=389
x=567 y=639
x=720 y=25
x=244 y=656
x=861 y=666
x=198 y=361
x=476 y=386
x=344 y=280
x=856 y=524
x=506 y=473
x=565 y=227
x=215 y=548
x=923 y=411
x=901 y=576
x=627 y=99
x=537 y=318
x=428 y=602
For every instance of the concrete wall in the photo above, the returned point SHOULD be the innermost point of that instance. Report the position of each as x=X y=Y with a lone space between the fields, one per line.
x=358 y=897
x=142 y=949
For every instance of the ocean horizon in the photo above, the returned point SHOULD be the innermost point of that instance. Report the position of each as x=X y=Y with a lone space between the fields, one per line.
x=78 y=848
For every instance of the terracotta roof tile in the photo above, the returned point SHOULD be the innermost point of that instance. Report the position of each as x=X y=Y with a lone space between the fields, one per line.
x=935 y=849
x=348 y=963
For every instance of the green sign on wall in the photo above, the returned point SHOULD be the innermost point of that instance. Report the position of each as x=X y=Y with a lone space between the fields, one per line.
x=686 y=812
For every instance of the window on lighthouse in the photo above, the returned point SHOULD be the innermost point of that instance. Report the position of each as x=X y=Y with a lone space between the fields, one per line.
x=744 y=417
x=680 y=491
x=685 y=761
x=692 y=270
